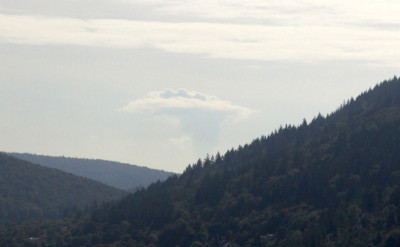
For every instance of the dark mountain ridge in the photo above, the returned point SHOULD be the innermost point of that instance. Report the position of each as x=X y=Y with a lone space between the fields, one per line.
x=332 y=182
x=119 y=175
x=29 y=191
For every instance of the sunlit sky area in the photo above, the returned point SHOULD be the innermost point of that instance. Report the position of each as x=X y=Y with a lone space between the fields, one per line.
x=163 y=83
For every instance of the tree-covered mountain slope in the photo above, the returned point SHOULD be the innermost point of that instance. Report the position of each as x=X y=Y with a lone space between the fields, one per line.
x=332 y=182
x=118 y=175
x=29 y=191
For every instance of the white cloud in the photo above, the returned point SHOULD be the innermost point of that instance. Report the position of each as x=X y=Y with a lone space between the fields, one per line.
x=195 y=117
x=283 y=12
x=168 y=119
x=232 y=9
x=296 y=36
x=175 y=102
x=182 y=142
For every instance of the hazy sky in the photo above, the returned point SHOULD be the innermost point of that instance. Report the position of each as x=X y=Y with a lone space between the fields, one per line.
x=162 y=83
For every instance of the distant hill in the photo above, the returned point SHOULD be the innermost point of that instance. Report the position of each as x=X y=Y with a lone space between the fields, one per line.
x=332 y=182
x=29 y=191
x=119 y=175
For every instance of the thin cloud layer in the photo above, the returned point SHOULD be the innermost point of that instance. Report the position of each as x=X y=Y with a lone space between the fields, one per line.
x=308 y=31
x=180 y=102
x=284 y=12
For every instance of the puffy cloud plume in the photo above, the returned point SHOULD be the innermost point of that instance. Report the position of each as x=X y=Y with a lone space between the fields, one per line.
x=179 y=102
x=198 y=115
x=181 y=142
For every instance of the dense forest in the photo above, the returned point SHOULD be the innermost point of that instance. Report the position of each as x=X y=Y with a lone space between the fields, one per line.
x=115 y=174
x=332 y=182
x=29 y=191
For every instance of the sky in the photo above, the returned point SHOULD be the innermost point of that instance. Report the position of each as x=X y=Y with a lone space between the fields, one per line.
x=164 y=83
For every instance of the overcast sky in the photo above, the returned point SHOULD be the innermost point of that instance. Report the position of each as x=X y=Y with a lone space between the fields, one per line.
x=162 y=83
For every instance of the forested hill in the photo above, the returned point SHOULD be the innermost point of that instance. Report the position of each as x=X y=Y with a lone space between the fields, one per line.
x=332 y=182
x=118 y=175
x=29 y=191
